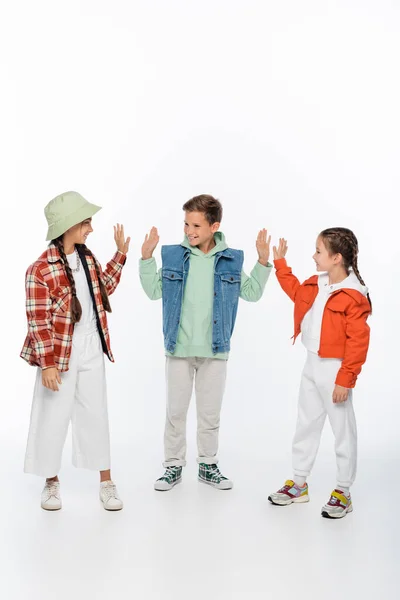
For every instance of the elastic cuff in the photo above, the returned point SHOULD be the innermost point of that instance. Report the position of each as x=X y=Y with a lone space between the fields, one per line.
x=343 y=488
x=146 y=261
x=343 y=484
x=298 y=473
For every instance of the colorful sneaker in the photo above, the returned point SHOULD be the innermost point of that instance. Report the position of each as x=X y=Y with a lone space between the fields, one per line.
x=289 y=493
x=211 y=475
x=51 y=499
x=338 y=506
x=171 y=477
x=109 y=496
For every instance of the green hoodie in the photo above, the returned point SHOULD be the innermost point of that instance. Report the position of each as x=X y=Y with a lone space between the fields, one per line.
x=195 y=329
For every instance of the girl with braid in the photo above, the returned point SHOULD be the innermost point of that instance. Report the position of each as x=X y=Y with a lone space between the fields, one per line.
x=330 y=311
x=66 y=304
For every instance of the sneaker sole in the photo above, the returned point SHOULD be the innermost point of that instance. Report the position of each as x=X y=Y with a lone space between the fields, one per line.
x=326 y=515
x=51 y=508
x=168 y=486
x=300 y=500
x=111 y=508
x=217 y=486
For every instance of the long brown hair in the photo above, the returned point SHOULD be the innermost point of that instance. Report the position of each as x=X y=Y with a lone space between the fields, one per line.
x=76 y=308
x=339 y=240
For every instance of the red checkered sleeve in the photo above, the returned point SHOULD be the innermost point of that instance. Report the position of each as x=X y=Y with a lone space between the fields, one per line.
x=112 y=273
x=38 y=305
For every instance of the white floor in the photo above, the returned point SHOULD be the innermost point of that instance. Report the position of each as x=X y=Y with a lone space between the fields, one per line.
x=197 y=542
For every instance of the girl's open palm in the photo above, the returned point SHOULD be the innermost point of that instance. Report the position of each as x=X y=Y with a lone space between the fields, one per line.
x=119 y=237
x=280 y=251
x=150 y=242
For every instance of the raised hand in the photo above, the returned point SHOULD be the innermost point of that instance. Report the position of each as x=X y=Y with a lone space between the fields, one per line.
x=280 y=251
x=150 y=242
x=119 y=237
x=263 y=246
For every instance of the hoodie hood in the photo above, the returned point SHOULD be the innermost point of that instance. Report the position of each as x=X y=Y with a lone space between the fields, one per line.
x=220 y=244
x=350 y=283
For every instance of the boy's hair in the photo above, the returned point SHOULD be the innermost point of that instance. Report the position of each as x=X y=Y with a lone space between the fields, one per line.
x=340 y=240
x=210 y=206
x=76 y=308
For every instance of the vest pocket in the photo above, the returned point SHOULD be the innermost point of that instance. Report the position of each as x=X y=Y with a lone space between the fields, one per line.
x=172 y=275
x=230 y=291
x=230 y=287
x=172 y=284
x=231 y=278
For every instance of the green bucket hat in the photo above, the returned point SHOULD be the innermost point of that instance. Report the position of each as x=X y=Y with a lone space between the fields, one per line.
x=65 y=211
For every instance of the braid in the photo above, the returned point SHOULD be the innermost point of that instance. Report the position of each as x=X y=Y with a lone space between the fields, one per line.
x=356 y=271
x=103 y=291
x=76 y=308
x=358 y=275
x=343 y=241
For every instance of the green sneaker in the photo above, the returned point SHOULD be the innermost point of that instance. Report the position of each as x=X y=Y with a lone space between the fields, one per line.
x=211 y=475
x=171 y=477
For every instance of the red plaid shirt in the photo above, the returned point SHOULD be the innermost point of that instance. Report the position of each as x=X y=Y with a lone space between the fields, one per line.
x=48 y=302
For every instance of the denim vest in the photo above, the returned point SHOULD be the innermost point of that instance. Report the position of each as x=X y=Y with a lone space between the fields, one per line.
x=227 y=277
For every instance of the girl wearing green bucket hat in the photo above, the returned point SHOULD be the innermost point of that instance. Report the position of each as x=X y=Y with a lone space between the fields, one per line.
x=66 y=303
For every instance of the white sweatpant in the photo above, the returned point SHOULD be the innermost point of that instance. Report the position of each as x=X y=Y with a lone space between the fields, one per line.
x=315 y=402
x=210 y=376
x=81 y=399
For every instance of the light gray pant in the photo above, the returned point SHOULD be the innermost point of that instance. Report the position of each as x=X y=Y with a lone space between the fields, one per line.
x=209 y=375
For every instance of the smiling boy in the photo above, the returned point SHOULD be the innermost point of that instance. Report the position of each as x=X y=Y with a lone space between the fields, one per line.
x=200 y=283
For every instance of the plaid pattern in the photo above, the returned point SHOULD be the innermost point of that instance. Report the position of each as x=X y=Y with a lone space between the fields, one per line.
x=171 y=475
x=48 y=300
x=211 y=474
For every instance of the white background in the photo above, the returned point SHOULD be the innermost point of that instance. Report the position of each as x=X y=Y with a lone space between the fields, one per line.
x=288 y=112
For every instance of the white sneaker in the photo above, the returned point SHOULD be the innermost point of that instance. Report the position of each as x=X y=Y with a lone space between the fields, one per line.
x=51 y=499
x=109 y=496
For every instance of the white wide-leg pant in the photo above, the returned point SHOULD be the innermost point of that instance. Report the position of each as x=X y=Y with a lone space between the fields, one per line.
x=315 y=403
x=81 y=399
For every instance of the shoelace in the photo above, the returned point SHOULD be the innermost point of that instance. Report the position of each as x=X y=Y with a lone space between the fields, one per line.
x=216 y=473
x=110 y=491
x=52 y=489
x=170 y=472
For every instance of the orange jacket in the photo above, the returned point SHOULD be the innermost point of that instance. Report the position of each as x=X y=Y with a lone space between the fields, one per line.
x=344 y=329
